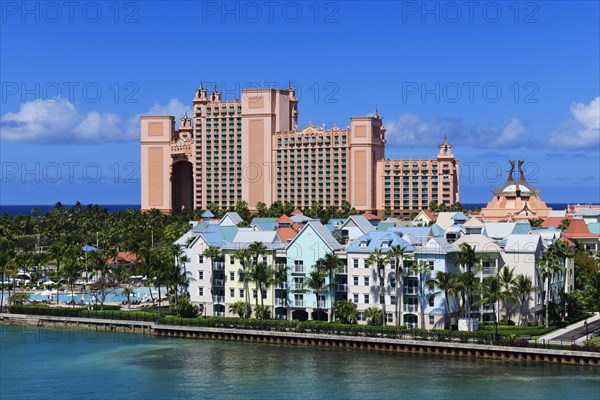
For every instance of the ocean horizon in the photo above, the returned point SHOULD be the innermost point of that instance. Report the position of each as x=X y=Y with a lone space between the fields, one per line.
x=25 y=209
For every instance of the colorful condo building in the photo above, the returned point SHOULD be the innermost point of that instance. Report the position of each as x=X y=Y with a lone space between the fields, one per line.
x=252 y=149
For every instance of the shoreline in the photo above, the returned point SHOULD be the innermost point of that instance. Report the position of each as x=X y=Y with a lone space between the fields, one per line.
x=341 y=342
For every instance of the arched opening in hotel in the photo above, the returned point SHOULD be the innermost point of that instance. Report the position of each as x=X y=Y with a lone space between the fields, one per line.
x=300 y=315
x=410 y=320
x=182 y=185
x=319 y=315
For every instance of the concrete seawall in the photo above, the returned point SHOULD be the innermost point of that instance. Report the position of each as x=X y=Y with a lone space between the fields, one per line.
x=313 y=339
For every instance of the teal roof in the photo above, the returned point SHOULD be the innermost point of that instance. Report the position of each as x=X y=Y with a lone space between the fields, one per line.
x=258 y=220
x=384 y=226
x=200 y=227
x=437 y=230
x=594 y=227
x=229 y=232
x=207 y=214
x=522 y=228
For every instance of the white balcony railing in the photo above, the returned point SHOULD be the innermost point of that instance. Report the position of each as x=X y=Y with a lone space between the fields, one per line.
x=218 y=299
x=343 y=270
x=411 y=290
x=298 y=303
x=280 y=286
x=411 y=307
x=489 y=270
x=410 y=272
x=219 y=313
x=297 y=286
x=280 y=301
x=298 y=269
x=342 y=287
x=219 y=266
x=218 y=282
x=321 y=304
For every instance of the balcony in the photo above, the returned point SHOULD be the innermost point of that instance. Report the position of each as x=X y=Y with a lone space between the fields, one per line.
x=218 y=282
x=411 y=290
x=342 y=287
x=219 y=313
x=218 y=299
x=298 y=303
x=321 y=304
x=219 y=266
x=489 y=271
x=281 y=286
x=343 y=270
x=411 y=307
x=279 y=301
x=297 y=286
x=410 y=272
x=298 y=269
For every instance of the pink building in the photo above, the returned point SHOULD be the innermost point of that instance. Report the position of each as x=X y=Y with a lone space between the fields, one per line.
x=251 y=149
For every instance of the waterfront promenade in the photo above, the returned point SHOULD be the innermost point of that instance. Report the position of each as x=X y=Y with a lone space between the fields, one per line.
x=446 y=348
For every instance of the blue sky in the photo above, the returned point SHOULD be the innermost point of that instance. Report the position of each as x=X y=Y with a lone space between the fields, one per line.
x=504 y=80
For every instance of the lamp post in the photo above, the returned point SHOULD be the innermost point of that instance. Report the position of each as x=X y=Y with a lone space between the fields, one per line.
x=586 y=330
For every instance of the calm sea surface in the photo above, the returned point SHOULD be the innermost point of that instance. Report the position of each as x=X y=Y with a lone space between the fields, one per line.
x=42 y=363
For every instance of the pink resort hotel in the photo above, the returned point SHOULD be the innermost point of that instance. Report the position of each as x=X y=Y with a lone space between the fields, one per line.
x=252 y=149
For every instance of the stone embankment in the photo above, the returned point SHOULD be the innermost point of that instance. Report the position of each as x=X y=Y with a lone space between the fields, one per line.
x=314 y=339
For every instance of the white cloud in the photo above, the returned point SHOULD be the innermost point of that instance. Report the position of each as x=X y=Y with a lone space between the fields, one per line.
x=61 y=122
x=411 y=130
x=581 y=130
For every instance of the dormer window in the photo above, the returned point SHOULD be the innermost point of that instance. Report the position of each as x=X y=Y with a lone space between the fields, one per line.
x=364 y=243
x=385 y=244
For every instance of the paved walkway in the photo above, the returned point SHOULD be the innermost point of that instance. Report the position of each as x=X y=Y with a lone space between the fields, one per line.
x=574 y=332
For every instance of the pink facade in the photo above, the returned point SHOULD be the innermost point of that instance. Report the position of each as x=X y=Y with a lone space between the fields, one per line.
x=251 y=149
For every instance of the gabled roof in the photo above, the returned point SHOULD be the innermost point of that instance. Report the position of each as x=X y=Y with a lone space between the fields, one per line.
x=522 y=227
x=482 y=243
x=244 y=236
x=370 y=216
x=578 y=229
x=207 y=214
x=183 y=240
x=420 y=232
x=123 y=257
x=301 y=218
x=473 y=223
x=459 y=216
x=375 y=239
x=437 y=230
x=360 y=221
x=265 y=226
x=444 y=219
x=286 y=233
x=549 y=234
x=322 y=232
x=296 y=212
x=499 y=230
x=522 y=243
x=429 y=214
x=284 y=219
x=257 y=220
x=553 y=221
x=384 y=226
x=558 y=213
x=213 y=236
x=231 y=217
x=436 y=245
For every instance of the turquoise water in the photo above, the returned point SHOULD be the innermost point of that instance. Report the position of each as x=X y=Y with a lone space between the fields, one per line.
x=42 y=363
x=115 y=296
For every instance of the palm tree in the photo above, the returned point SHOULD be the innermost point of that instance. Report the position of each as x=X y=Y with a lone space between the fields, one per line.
x=422 y=270
x=7 y=255
x=316 y=282
x=398 y=254
x=490 y=294
x=240 y=308
x=548 y=265
x=467 y=257
x=213 y=253
x=345 y=310
x=263 y=278
x=445 y=282
x=561 y=249
x=280 y=279
x=331 y=265
x=72 y=271
x=378 y=259
x=522 y=290
x=506 y=280
x=245 y=257
x=257 y=250
x=374 y=315
x=465 y=285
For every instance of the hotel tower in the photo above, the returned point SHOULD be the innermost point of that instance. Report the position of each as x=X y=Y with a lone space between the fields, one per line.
x=251 y=149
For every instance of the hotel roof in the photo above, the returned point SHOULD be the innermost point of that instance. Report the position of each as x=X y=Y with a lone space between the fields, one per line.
x=499 y=230
x=519 y=243
x=553 y=221
x=578 y=229
x=482 y=243
x=375 y=240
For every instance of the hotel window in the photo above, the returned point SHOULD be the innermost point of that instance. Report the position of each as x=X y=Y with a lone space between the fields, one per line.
x=200 y=291
x=431 y=265
x=366 y=299
x=366 y=281
x=355 y=298
x=232 y=276
x=431 y=320
x=264 y=293
x=431 y=301
x=355 y=280
x=360 y=316
x=393 y=300
x=200 y=259
x=232 y=292
x=389 y=318
x=200 y=275
x=241 y=293
x=232 y=260
x=253 y=293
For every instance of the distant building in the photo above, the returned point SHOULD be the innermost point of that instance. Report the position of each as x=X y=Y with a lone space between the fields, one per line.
x=252 y=149
x=515 y=200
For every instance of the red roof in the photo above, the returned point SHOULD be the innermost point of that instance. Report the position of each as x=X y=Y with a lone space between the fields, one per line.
x=552 y=222
x=578 y=229
x=123 y=257
x=567 y=241
x=370 y=216
x=285 y=233
x=296 y=212
x=429 y=214
x=284 y=219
